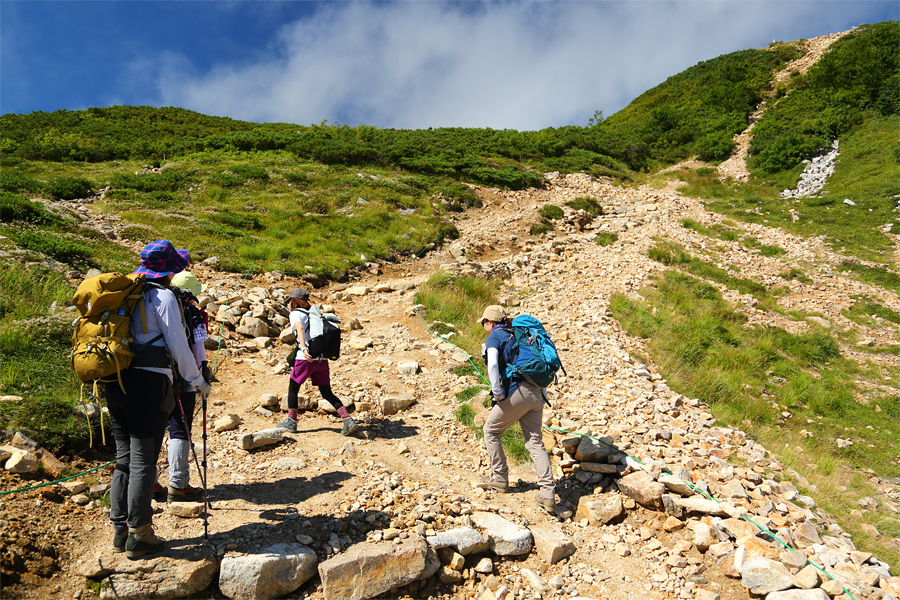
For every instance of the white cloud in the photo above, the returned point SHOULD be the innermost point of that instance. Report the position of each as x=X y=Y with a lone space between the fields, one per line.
x=504 y=65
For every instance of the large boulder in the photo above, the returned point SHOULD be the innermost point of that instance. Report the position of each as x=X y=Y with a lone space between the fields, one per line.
x=176 y=573
x=505 y=537
x=551 y=543
x=599 y=510
x=643 y=489
x=253 y=327
x=464 y=539
x=274 y=573
x=367 y=570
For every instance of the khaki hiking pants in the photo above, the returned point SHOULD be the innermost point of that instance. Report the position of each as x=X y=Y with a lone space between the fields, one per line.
x=525 y=405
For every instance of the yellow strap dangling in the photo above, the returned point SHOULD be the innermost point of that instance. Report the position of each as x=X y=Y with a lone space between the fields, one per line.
x=87 y=415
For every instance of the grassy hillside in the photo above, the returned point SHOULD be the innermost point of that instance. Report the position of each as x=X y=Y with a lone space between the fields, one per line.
x=323 y=200
x=694 y=113
x=858 y=79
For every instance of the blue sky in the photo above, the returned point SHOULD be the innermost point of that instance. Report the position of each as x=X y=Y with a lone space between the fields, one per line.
x=413 y=64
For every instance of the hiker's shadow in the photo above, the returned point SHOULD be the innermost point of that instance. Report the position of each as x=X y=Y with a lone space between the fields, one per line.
x=296 y=489
x=283 y=525
x=571 y=490
x=387 y=429
x=377 y=428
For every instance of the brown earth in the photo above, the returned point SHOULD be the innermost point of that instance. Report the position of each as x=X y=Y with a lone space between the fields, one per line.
x=256 y=504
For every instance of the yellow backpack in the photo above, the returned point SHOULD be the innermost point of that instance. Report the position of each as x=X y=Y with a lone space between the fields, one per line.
x=100 y=342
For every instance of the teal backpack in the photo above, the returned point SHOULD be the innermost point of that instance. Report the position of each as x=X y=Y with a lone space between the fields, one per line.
x=530 y=354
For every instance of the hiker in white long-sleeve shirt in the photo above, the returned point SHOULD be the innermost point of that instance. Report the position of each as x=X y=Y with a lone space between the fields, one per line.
x=139 y=413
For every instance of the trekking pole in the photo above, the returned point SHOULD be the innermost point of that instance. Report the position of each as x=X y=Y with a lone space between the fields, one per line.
x=205 y=496
x=200 y=473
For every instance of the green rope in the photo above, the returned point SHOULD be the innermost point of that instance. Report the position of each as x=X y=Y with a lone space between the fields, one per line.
x=425 y=249
x=432 y=332
x=40 y=485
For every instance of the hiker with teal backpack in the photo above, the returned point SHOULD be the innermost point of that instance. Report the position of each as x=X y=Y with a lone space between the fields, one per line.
x=516 y=399
x=309 y=364
x=139 y=408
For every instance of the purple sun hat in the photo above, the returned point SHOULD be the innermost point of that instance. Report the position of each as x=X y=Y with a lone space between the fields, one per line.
x=186 y=255
x=159 y=259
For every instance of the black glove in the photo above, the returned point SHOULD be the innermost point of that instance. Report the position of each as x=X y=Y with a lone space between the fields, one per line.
x=207 y=373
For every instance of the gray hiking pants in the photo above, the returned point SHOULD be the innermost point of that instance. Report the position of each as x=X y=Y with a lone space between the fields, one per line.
x=138 y=418
x=525 y=405
x=132 y=483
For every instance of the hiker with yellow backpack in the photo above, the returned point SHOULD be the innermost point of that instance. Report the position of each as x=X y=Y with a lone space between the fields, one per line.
x=140 y=397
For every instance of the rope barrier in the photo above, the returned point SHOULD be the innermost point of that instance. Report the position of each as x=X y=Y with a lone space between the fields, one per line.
x=40 y=485
x=761 y=528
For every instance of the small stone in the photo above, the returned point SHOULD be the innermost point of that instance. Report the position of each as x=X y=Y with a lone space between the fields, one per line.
x=485 y=565
x=185 y=510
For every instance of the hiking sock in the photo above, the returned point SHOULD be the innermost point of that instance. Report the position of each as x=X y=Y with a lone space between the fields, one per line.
x=292 y=413
x=342 y=412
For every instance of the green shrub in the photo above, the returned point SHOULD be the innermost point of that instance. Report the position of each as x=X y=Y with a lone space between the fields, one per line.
x=315 y=204
x=297 y=178
x=163 y=196
x=588 y=204
x=250 y=172
x=668 y=253
x=540 y=228
x=551 y=212
x=12 y=181
x=448 y=231
x=225 y=180
x=606 y=238
x=16 y=208
x=69 y=188
x=459 y=197
x=148 y=182
x=238 y=220
x=795 y=274
x=57 y=248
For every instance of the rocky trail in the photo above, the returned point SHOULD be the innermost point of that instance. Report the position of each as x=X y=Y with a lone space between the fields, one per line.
x=393 y=510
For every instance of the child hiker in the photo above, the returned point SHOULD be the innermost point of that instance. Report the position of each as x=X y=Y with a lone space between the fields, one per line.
x=308 y=367
x=180 y=425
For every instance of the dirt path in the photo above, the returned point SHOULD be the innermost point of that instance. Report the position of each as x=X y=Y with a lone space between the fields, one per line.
x=313 y=486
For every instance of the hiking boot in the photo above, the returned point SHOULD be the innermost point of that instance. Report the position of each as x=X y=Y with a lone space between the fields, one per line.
x=185 y=494
x=142 y=540
x=119 y=539
x=349 y=426
x=487 y=483
x=289 y=424
x=548 y=504
x=159 y=493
